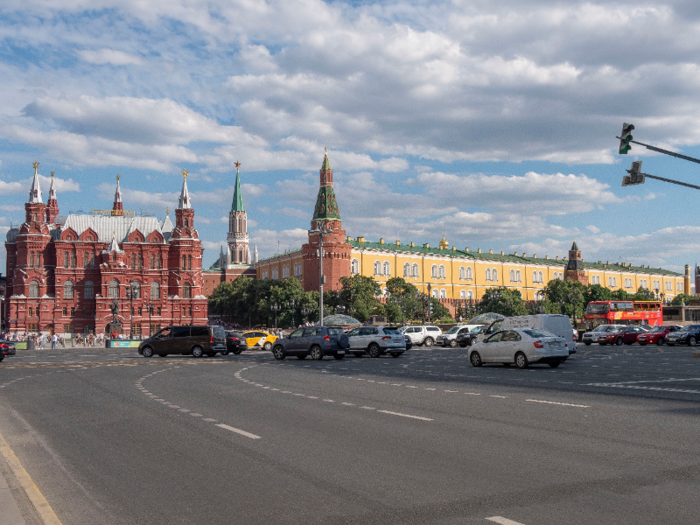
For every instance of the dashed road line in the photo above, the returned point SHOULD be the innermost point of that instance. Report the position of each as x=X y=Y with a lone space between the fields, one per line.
x=238 y=431
x=503 y=521
x=557 y=403
x=404 y=415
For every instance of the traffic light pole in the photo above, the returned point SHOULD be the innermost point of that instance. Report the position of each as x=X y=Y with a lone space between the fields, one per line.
x=671 y=181
x=664 y=151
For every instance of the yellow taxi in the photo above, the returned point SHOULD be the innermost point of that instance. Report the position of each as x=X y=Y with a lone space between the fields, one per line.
x=259 y=339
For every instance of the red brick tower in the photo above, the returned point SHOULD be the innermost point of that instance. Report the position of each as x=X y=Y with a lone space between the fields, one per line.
x=574 y=268
x=336 y=260
x=52 y=204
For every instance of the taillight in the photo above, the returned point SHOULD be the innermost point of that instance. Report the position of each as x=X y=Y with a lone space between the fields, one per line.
x=386 y=338
x=574 y=338
x=538 y=344
x=235 y=340
x=211 y=339
x=327 y=338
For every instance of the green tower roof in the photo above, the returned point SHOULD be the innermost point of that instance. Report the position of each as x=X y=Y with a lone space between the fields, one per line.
x=237 y=204
x=574 y=247
x=326 y=163
x=326 y=205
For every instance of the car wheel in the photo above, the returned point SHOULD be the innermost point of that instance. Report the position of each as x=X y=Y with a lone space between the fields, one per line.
x=475 y=359
x=237 y=351
x=660 y=341
x=147 y=351
x=521 y=360
x=302 y=356
x=555 y=364
x=374 y=350
x=225 y=352
x=162 y=355
x=691 y=341
x=619 y=341
x=357 y=354
x=396 y=354
x=316 y=353
x=1 y=358
x=278 y=352
x=211 y=354
x=453 y=344
x=338 y=356
x=267 y=346
x=587 y=343
x=428 y=342
x=197 y=351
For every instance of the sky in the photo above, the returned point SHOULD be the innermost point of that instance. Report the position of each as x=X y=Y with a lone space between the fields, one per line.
x=492 y=123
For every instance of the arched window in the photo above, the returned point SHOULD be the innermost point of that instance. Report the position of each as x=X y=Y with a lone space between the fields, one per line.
x=155 y=290
x=140 y=263
x=436 y=293
x=184 y=262
x=113 y=289
x=416 y=272
x=354 y=267
x=377 y=268
x=540 y=276
x=74 y=260
x=470 y=295
x=275 y=273
x=494 y=274
x=65 y=260
x=443 y=294
x=442 y=272
x=88 y=290
x=38 y=259
x=189 y=262
x=462 y=294
x=434 y=271
x=135 y=289
x=86 y=260
x=133 y=260
x=153 y=261
x=34 y=289
x=68 y=290
x=387 y=268
x=114 y=257
x=187 y=223
x=488 y=274
x=407 y=270
x=186 y=291
x=462 y=273
x=285 y=271
x=518 y=276
x=512 y=276
x=31 y=260
x=469 y=272
x=160 y=261
x=534 y=277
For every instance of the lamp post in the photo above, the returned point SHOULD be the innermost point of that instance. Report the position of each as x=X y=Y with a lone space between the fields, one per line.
x=430 y=301
x=321 y=229
x=305 y=311
x=275 y=307
x=291 y=305
x=340 y=309
x=150 y=313
x=574 y=298
x=130 y=291
x=2 y=311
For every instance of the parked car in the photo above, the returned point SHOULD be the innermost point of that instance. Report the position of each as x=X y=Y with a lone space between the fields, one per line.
x=194 y=340
x=689 y=335
x=314 y=341
x=422 y=335
x=256 y=339
x=627 y=335
x=465 y=339
x=522 y=346
x=376 y=341
x=449 y=338
x=235 y=342
x=593 y=336
x=557 y=324
x=409 y=343
x=657 y=335
x=7 y=349
x=488 y=330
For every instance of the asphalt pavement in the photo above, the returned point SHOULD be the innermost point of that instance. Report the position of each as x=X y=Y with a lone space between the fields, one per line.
x=110 y=437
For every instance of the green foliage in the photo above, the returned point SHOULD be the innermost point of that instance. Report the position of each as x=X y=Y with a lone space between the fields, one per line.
x=404 y=302
x=439 y=311
x=566 y=297
x=643 y=294
x=596 y=292
x=682 y=298
x=503 y=301
x=359 y=295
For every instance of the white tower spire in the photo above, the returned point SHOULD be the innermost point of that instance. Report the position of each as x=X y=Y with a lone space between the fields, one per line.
x=35 y=190
x=184 y=203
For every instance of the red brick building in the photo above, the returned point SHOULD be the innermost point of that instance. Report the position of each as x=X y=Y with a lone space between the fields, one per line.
x=65 y=272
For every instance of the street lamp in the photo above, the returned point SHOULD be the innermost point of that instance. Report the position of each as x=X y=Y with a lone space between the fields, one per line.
x=340 y=309
x=322 y=229
x=130 y=292
x=275 y=307
x=305 y=311
x=291 y=305
x=574 y=298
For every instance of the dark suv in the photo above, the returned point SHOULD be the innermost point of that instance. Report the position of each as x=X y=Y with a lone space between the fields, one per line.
x=194 y=340
x=7 y=348
x=316 y=341
x=689 y=335
x=235 y=342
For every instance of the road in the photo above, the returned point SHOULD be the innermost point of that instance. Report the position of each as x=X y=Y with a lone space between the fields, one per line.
x=109 y=437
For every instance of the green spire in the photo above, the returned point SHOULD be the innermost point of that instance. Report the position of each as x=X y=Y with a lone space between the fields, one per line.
x=574 y=248
x=326 y=205
x=237 y=204
x=326 y=162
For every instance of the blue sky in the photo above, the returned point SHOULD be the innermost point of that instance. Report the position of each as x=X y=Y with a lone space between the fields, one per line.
x=491 y=122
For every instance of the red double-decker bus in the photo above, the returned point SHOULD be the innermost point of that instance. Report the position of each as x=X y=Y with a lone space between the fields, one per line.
x=624 y=312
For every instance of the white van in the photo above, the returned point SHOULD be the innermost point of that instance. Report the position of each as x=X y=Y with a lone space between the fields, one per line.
x=557 y=324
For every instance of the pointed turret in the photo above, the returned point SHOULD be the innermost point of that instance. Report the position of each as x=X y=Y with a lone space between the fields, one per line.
x=326 y=205
x=52 y=205
x=184 y=202
x=118 y=206
x=237 y=204
x=574 y=247
x=113 y=246
x=237 y=237
x=35 y=190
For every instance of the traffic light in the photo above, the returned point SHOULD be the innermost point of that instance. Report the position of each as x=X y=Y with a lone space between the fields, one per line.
x=430 y=308
x=625 y=138
x=635 y=175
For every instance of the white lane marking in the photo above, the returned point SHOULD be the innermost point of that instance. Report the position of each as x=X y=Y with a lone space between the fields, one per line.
x=348 y=404
x=429 y=389
x=556 y=403
x=368 y=408
x=238 y=431
x=499 y=397
x=503 y=521
x=312 y=397
x=209 y=419
x=471 y=394
x=329 y=401
x=452 y=391
x=404 y=415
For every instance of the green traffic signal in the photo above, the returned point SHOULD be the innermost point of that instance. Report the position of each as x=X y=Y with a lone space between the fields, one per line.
x=625 y=138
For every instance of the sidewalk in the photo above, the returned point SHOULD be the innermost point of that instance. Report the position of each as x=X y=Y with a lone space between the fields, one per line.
x=9 y=511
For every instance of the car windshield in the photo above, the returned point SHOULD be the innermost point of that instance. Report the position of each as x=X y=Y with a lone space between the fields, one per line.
x=616 y=329
x=532 y=332
x=594 y=308
x=478 y=329
x=390 y=331
x=402 y=329
x=602 y=328
x=453 y=330
x=658 y=329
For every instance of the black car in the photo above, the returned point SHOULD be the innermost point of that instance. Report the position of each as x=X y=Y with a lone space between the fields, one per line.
x=235 y=342
x=316 y=341
x=7 y=349
x=689 y=335
x=465 y=339
x=193 y=340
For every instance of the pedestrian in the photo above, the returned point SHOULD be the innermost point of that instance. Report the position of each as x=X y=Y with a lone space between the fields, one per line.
x=54 y=340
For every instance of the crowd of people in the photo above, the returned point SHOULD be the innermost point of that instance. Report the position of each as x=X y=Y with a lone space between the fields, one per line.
x=55 y=340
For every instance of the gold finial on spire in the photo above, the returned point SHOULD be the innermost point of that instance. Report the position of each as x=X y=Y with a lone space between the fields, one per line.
x=36 y=166
x=325 y=148
x=167 y=211
x=52 y=174
x=118 y=177
x=113 y=233
x=443 y=244
x=238 y=165
x=184 y=174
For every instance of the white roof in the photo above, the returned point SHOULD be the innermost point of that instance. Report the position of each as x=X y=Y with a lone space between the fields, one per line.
x=108 y=226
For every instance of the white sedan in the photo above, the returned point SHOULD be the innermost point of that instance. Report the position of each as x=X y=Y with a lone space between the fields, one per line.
x=522 y=346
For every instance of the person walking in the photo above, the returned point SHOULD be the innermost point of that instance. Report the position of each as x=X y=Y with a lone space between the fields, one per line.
x=54 y=340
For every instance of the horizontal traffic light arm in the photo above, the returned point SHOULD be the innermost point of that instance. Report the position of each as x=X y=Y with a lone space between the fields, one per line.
x=671 y=181
x=654 y=148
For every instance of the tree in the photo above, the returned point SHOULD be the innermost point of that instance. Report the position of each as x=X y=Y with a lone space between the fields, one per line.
x=565 y=297
x=596 y=292
x=643 y=294
x=682 y=298
x=503 y=301
x=359 y=294
x=404 y=301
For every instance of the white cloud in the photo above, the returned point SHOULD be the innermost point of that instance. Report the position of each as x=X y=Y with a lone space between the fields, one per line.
x=270 y=242
x=110 y=56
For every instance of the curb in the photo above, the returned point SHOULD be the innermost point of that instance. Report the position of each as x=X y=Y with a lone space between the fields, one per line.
x=11 y=515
